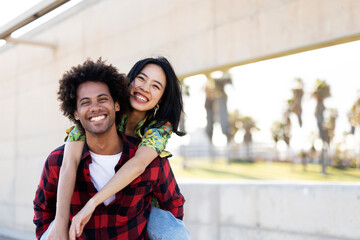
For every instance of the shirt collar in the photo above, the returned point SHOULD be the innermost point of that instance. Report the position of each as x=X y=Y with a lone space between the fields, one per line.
x=128 y=141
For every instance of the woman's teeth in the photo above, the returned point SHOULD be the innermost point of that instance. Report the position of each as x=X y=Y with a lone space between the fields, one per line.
x=141 y=98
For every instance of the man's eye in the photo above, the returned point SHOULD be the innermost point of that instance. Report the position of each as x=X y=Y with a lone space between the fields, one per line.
x=103 y=99
x=84 y=103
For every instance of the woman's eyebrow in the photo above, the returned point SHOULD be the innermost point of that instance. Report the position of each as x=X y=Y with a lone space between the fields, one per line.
x=143 y=74
x=159 y=83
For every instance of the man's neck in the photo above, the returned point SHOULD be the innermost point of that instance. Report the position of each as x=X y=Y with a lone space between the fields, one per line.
x=109 y=143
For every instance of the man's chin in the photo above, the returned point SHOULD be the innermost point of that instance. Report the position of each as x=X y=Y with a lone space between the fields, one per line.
x=97 y=131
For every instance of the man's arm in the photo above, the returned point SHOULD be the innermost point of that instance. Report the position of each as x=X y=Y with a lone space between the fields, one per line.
x=168 y=192
x=45 y=197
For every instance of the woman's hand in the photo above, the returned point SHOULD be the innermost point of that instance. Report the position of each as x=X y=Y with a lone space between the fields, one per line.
x=80 y=220
x=59 y=230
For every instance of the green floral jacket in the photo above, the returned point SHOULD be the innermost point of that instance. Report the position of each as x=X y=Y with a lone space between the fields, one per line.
x=153 y=137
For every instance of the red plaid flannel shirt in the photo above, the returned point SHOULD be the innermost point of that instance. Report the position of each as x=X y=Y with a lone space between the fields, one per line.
x=127 y=215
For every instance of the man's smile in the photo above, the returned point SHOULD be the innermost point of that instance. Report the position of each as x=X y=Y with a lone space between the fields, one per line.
x=97 y=118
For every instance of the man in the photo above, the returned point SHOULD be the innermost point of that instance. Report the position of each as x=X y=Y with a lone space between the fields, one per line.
x=101 y=92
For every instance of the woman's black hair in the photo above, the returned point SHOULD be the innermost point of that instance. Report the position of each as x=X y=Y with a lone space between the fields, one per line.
x=171 y=104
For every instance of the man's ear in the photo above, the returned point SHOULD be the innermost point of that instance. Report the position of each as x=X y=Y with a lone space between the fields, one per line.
x=76 y=115
x=117 y=107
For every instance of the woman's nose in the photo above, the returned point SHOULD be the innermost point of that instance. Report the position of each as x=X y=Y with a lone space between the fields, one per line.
x=145 y=86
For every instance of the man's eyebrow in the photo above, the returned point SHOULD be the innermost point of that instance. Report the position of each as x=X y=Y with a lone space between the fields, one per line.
x=102 y=95
x=84 y=98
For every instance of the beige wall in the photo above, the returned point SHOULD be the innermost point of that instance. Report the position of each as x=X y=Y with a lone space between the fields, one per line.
x=256 y=210
x=196 y=35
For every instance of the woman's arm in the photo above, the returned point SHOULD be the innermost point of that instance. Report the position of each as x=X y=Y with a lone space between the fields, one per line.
x=133 y=168
x=153 y=142
x=65 y=190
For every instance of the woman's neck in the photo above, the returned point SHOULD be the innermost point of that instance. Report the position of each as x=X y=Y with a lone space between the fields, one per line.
x=133 y=119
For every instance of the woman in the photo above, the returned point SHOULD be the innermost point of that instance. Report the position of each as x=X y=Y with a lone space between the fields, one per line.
x=156 y=102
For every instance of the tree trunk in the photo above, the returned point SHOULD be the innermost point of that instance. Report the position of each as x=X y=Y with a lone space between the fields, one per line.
x=323 y=159
x=358 y=161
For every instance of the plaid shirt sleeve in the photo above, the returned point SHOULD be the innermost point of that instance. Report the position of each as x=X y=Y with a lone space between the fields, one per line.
x=45 y=196
x=167 y=191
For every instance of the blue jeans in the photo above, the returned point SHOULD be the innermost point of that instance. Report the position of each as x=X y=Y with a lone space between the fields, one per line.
x=162 y=225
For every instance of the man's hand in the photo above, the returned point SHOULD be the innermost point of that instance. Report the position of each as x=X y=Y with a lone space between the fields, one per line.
x=80 y=220
x=58 y=231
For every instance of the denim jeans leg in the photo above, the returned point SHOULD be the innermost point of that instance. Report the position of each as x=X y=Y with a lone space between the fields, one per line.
x=162 y=225
x=43 y=237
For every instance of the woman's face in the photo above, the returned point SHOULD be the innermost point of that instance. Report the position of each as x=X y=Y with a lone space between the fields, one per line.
x=147 y=88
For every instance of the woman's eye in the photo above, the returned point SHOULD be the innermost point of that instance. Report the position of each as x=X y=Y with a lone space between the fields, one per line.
x=140 y=78
x=156 y=86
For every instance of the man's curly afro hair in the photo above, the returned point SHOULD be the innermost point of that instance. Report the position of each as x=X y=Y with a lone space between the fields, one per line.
x=97 y=71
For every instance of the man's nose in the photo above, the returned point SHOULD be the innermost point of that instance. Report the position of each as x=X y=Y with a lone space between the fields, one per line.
x=95 y=107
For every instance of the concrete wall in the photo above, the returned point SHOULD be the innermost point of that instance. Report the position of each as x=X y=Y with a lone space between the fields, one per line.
x=196 y=35
x=272 y=211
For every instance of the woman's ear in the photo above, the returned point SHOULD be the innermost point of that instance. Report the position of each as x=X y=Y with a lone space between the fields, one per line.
x=117 y=106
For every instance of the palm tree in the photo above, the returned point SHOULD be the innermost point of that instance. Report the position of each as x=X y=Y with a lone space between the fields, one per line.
x=287 y=123
x=209 y=106
x=248 y=124
x=295 y=105
x=235 y=124
x=185 y=93
x=329 y=125
x=354 y=114
x=216 y=107
x=216 y=104
x=354 y=119
x=277 y=132
x=320 y=93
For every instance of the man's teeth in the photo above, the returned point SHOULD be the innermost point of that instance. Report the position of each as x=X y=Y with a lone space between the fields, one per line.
x=95 y=119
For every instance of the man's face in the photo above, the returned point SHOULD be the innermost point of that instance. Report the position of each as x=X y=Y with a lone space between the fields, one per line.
x=95 y=107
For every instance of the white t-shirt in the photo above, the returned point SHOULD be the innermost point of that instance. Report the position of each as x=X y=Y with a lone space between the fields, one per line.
x=102 y=169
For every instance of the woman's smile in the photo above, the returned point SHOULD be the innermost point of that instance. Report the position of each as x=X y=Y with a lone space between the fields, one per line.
x=140 y=97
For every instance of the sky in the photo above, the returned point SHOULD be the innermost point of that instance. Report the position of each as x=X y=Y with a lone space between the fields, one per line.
x=11 y=9
x=260 y=90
